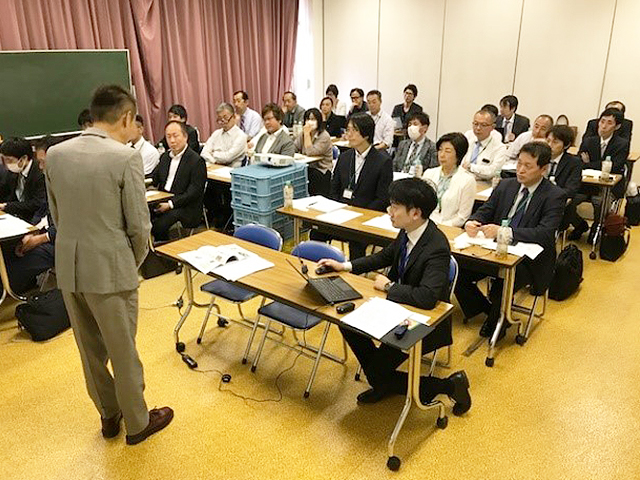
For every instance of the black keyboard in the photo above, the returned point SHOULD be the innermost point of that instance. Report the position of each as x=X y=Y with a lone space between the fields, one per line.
x=334 y=289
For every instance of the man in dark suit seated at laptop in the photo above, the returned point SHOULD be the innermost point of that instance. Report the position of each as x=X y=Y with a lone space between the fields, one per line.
x=533 y=207
x=593 y=150
x=626 y=127
x=362 y=174
x=182 y=172
x=419 y=276
x=509 y=124
x=24 y=192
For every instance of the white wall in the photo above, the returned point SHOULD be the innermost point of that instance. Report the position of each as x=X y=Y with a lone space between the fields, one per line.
x=557 y=56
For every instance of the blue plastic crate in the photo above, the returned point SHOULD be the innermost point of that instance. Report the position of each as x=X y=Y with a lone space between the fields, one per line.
x=268 y=203
x=262 y=181
x=282 y=223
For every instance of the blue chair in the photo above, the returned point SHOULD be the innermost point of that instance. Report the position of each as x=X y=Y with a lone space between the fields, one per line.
x=336 y=152
x=254 y=233
x=298 y=320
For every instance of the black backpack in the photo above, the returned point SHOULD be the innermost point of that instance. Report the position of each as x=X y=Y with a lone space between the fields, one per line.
x=568 y=273
x=615 y=237
x=632 y=210
x=43 y=315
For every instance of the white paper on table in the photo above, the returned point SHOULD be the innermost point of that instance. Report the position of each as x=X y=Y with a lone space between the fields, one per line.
x=233 y=271
x=338 y=216
x=521 y=249
x=590 y=172
x=218 y=260
x=401 y=175
x=151 y=193
x=224 y=172
x=304 y=203
x=11 y=226
x=324 y=204
x=486 y=193
x=383 y=222
x=377 y=317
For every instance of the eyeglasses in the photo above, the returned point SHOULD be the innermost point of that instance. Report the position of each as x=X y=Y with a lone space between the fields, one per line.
x=222 y=120
x=481 y=125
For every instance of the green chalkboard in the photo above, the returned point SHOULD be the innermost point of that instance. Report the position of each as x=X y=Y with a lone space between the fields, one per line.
x=42 y=92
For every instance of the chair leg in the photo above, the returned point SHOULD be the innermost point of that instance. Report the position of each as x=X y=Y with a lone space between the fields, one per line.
x=358 y=372
x=253 y=333
x=531 y=316
x=256 y=358
x=433 y=363
x=317 y=359
x=206 y=318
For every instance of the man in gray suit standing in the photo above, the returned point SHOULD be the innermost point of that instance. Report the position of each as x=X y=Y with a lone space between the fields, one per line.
x=97 y=200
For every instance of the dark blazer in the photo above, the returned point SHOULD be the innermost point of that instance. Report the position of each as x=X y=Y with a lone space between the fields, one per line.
x=568 y=174
x=428 y=155
x=188 y=184
x=372 y=189
x=398 y=111
x=335 y=124
x=538 y=225
x=617 y=149
x=192 y=140
x=425 y=280
x=624 y=131
x=34 y=196
x=520 y=124
x=353 y=110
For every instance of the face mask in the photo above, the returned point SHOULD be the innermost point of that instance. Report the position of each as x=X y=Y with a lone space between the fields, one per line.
x=14 y=167
x=414 y=132
x=313 y=124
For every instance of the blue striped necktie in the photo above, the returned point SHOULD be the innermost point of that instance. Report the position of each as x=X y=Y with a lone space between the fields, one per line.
x=519 y=213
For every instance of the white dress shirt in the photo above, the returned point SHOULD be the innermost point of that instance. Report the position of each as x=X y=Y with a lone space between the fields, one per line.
x=173 y=168
x=226 y=148
x=385 y=126
x=360 y=159
x=149 y=153
x=456 y=204
x=514 y=148
x=492 y=155
x=250 y=122
x=340 y=108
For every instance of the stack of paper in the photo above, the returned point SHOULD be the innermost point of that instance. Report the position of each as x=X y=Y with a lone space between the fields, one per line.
x=383 y=222
x=520 y=249
x=317 y=202
x=590 y=172
x=151 y=193
x=229 y=261
x=223 y=172
x=400 y=175
x=338 y=217
x=11 y=226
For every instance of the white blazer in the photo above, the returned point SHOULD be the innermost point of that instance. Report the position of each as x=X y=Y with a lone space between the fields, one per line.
x=457 y=201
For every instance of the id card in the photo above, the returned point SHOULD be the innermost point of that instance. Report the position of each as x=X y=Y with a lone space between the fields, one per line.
x=347 y=193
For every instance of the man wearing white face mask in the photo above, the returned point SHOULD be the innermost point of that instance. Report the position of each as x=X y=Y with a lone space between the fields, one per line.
x=25 y=193
x=316 y=142
x=418 y=148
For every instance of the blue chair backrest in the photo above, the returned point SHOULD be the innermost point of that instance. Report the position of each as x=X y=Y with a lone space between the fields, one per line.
x=314 y=251
x=453 y=276
x=256 y=233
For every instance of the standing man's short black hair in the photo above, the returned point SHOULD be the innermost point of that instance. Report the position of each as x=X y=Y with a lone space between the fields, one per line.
x=179 y=110
x=364 y=124
x=540 y=151
x=489 y=107
x=332 y=89
x=511 y=101
x=84 y=118
x=110 y=102
x=413 y=89
x=617 y=115
x=564 y=133
x=414 y=193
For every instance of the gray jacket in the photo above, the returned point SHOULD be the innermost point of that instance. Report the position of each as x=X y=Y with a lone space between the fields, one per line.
x=427 y=156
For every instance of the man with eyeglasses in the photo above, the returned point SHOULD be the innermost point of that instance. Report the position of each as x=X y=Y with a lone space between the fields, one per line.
x=486 y=155
x=228 y=144
x=358 y=105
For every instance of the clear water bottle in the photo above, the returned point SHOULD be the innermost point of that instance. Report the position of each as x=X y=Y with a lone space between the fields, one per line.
x=503 y=239
x=417 y=170
x=288 y=195
x=606 y=168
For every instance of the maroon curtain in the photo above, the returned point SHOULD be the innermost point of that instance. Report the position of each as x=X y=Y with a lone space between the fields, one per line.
x=193 y=52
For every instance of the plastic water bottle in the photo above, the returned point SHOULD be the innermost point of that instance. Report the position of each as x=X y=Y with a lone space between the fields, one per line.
x=606 y=168
x=503 y=239
x=288 y=195
x=417 y=170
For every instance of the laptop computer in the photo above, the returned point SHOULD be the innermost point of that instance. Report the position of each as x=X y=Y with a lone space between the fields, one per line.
x=332 y=289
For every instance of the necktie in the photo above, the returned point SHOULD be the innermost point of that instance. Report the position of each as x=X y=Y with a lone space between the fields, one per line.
x=507 y=128
x=518 y=214
x=552 y=170
x=603 y=147
x=402 y=258
x=476 y=152
x=412 y=157
x=20 y=187
x=242 y=123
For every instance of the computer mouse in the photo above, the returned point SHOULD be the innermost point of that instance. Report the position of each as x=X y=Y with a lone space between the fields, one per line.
x=322 y=269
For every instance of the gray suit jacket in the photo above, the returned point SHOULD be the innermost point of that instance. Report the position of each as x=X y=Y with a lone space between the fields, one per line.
x=97 y=201
x=283 y=144
x=427 y=156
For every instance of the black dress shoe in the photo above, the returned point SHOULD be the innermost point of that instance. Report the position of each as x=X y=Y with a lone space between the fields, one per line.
x=487 y=328
x=372 y=396
x=460 y=394
x=578 y=231
x=111 y=426
x=158 y=419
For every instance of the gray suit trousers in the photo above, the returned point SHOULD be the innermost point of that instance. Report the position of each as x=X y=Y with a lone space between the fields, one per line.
x=105 y=327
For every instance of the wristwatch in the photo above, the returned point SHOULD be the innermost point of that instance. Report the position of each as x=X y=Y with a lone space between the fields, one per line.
x=388 y=285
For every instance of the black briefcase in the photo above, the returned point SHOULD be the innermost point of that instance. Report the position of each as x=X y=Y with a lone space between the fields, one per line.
x=155 y=265
x=43 y=315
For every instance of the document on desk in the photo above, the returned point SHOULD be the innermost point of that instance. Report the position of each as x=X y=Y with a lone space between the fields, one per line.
x=223 y=172
x=383 y=222
x=231 y=262
x=486 y=193
x=338 y=217
x=520 y=249
x=317 y=202
x=11 y=226
x=151 y=193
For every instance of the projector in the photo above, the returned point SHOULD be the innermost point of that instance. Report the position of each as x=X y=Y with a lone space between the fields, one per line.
x=273 y=159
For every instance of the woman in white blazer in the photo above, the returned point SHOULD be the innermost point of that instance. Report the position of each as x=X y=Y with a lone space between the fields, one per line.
x=456 y=187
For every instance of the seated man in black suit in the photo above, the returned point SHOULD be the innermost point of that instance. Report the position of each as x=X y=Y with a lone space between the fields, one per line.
x=533 y=207
x=565 y=170
x=24 y=192
x=624 y=131
x=182 y=172
x=419 y=276
x=509 y=124
x=362 y=174
x=177 y=113
x=592 y=151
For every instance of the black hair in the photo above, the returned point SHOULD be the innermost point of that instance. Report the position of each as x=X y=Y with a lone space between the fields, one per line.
x=84 y=117
x=332 y=89
x=110 y=102
x=293 y=95
x=363 y=123
x=623 y=109
x=183 y=126
x=613 y=112
x=43 y=143
x=539 y=150
x=179 y=110
x=275 y=109
x=511 y=101
x=413 y=88
x=326 y=98
x=564 y=133
x=489 y=107
x=359 y=91
x=317 y=115
x=459 y=143
x=414 y=193
x=422 y=117
x=140 y=120
x=375 y=92
x=16 y=147
x=245 y=97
